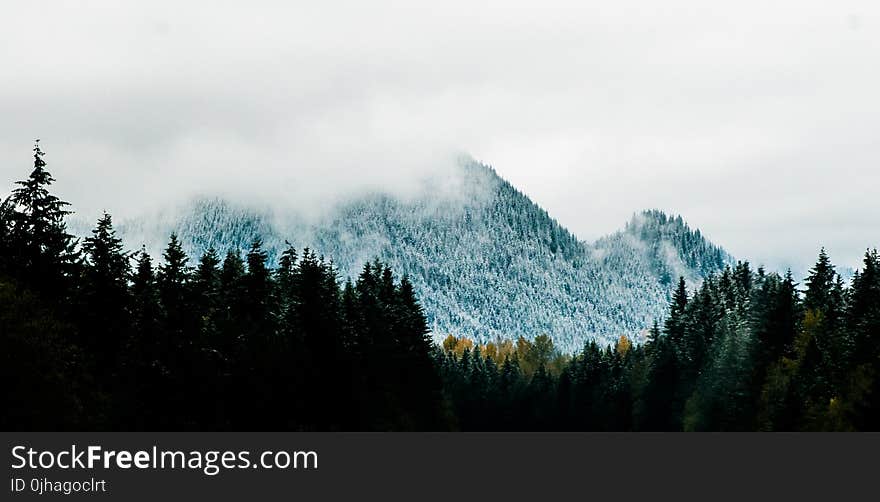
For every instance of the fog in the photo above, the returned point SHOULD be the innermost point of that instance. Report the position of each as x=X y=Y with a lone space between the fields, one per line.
x=757 y=121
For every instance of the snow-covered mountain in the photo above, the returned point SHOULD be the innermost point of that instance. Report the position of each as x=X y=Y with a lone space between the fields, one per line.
x=487 y=262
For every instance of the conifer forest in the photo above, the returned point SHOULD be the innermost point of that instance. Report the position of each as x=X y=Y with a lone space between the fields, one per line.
x=98 y=336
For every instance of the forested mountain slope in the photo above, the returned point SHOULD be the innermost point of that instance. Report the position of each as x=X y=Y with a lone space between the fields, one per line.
x=485 y=260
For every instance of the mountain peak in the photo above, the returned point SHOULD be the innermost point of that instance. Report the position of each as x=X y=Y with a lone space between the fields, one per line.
x=674 y=248
x=485 y=260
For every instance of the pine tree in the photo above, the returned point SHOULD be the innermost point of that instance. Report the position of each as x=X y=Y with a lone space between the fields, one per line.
x=862 y=394
x=206 y=284
x=230 y=320
x=105 y=294
x=107 y=262
x=143 y=369
x=172 y=277
x=658 y=410
x=414 y=335
x=286 y=291
x=351 y=321
x=820 y=341
x=42 y=252
x=8 y=247
x=820 y=284
x=259 y=285
x=863 y=315
x=145 y=300
x=674 y=324
x=180 y=331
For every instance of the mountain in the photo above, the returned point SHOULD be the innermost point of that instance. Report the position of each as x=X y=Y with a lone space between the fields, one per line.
x=486 y=261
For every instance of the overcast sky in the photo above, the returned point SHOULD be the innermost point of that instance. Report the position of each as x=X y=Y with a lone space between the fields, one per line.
x=759 y=122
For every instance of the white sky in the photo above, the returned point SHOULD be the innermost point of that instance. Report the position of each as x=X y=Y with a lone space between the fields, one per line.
x=759 y=122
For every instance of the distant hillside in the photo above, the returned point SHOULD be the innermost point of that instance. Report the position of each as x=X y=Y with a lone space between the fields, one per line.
x=486 y=261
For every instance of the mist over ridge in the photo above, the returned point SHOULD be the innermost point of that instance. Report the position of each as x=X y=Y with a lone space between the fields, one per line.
x=486 y=261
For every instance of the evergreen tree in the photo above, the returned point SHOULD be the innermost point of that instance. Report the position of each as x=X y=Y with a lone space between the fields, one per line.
x=206 y=286
x=259 y=285
x=173 y=275
x=8 y=246
x=180 y=332
x=42 y=252
x=105 y=294
x=230 y=316
x=862 y=395
x=674 y=324
x=286 y=290
x=863 y=315
x=144 y=372
x=145 y=301
x=820 y=340
x=820 y=284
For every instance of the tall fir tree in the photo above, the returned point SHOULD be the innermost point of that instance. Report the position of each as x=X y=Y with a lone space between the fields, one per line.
x=105 y=294
x=820 y=284
x=206 y=284
x=42 y=251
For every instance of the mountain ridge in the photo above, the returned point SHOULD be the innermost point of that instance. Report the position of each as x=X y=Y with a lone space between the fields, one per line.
x=486 y=261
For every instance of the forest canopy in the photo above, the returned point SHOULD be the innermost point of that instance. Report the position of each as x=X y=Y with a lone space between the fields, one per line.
x=95 y=336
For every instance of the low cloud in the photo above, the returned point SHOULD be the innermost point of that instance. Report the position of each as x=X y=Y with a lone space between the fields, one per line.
x=757 y=122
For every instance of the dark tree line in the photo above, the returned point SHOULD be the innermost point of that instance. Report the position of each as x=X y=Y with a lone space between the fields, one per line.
x=95 y=337
x=745 y=351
